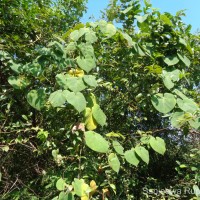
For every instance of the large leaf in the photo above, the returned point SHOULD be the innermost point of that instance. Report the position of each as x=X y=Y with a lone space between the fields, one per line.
x=18 y=82
x=75 y=84
x=57 y=98
x=171 y=60
x=37 y=98
x=90 y=80
x=142 y=153
x=86 y=49
x=90 y=36
x=187 y=105
x=96 y=142
x=98 y=115
x=131 y=157
x=87 y=63
x=114 y=162
x=158 y=145
x=164 y=103
x=75 y=99
x=184 y=59
x=118 y=147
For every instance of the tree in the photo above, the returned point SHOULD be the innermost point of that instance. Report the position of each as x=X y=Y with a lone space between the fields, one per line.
x=87 y=115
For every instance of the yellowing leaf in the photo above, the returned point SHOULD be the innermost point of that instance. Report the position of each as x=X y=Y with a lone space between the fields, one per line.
x=90 y=122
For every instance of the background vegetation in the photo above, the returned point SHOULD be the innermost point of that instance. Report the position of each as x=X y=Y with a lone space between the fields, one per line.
x=97 y=112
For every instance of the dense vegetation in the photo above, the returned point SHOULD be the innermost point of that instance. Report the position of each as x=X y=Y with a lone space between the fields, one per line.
x=91 y=111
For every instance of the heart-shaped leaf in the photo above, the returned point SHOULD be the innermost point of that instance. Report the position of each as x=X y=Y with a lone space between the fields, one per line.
x=87 y=63
x=98 y=115
x=158 y=145
x=171 y=60
x=164 y=103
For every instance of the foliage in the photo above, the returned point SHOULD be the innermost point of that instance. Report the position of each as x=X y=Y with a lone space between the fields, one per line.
x=101 y=112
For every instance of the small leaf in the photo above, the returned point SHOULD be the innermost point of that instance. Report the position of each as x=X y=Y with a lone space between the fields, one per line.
x=158 y=145
x=131 y=157
x=98 y=115
x=114 y=162
x=96 y=142
x=177 y=119
x=195 y=123
x=75 y=99
x=142 y=153
x=164 y=103
x=171 y=60
x=60 y=184
x=118 y=147
x=37 y=98
x=57 y=98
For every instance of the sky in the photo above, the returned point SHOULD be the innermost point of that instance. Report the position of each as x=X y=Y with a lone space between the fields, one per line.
x=192 y=8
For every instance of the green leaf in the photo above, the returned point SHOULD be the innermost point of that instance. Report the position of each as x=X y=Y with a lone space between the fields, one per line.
x=138 y=49
x=184 y=59
x=74 y=35
x=114 y=162
x=158 y=145
x=66 y=196
x=75 y=99
x=37 y=98
x=128 y=39
x=0 y=176
x=118 y=147
x=131 y=157
x=142 y=153
x=166 y=20
x=171 y=60
x=196 y=190
x=195 y=123
x=57 y=98
x=168 y=82
x=109 y=30
x=60 y=184
x=90 y=80
x=98 y=115
x=90 y=37
x=164 y=103
x=16 y=67
x=87 y=63
x=86 y=49
x=18 y=82
x=96 y=142
x=187 y=105
x=177 y=119
x=141 y=19
x=75 y=84
x=80 y=187
x=61 y=79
